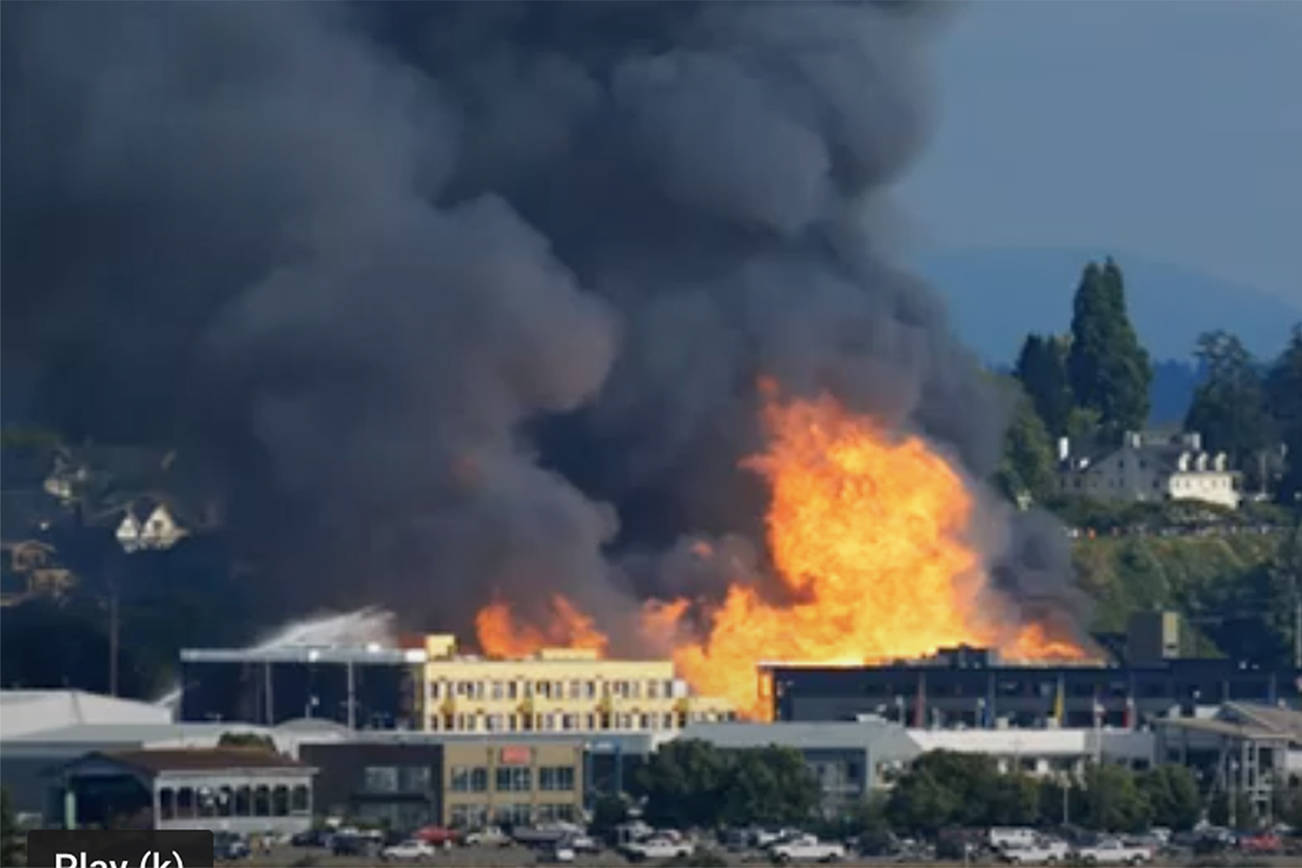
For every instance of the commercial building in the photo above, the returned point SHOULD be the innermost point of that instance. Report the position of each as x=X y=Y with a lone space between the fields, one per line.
x=1244 y=748
x=1044 y=752
x=849 y=760
x=368 y=687
x=971 y=688
x=557 y=690
x=466 y=783
x=237 y=790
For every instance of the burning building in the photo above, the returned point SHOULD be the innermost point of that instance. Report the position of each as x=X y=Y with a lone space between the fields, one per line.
x=558 y=690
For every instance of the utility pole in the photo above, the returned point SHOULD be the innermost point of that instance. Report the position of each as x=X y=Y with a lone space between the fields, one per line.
x=113 y=637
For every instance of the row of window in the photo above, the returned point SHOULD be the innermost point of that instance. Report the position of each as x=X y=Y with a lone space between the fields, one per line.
x=1047 y=690
x=474 y=779
x=554 y=722
x=243 y=801
x=573 y=689
x=478 y=816
x=397 y=779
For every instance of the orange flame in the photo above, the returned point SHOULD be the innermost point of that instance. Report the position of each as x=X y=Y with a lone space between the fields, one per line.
x=500 y=635
x=866 y=532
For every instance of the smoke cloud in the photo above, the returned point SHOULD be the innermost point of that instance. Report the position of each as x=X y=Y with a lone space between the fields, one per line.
x=464 y=299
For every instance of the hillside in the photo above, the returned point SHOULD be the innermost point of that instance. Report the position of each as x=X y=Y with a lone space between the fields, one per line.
x=1223 y=583
x=996 y=296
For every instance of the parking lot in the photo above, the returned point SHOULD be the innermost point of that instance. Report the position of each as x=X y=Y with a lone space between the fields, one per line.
x=517 y=857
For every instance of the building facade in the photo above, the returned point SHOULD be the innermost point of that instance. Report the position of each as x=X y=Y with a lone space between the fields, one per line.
x=969 y=691
x=1150 y=467
x=222 y=789
x=463 y=783
x=557 y=690
x=359 y=687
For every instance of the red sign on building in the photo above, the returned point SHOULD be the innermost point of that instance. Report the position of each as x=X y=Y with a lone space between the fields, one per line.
x=514 y=756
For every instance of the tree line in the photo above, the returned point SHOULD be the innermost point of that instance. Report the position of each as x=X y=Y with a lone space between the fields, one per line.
x=694 y=784
x=1092 y=385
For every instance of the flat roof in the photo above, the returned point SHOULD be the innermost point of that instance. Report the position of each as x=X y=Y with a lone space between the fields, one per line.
x=306 y=654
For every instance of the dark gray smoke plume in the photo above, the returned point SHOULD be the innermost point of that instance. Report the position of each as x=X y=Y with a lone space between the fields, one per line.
x=471 y=298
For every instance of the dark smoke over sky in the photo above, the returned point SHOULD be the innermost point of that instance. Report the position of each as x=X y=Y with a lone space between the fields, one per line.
x=457 y=298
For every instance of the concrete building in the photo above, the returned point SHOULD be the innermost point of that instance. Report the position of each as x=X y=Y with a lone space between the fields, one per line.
x=966 y=688
x=366 y=687
x=557 y=690
x=1150 y=467
x=1241 y=748
x=466 y=783
x=237 y=790
x=1044 y=752
x=849 y=760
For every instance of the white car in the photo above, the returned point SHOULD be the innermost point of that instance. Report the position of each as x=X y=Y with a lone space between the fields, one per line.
x=1044 y=853
x=807 y=848
x=489 y=836
x=1114 y=853
x=581 y=843
x=657 y=848
x=408 y=851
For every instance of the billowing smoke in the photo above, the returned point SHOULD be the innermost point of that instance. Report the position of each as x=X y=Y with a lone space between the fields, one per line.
x=464 y=299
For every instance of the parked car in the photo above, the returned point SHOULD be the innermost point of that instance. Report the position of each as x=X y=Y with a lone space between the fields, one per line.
x=438 y=836
x=489 y=836
x=806 y=848
x=544 y=835
x=1264 y=842
x=658 y=847
x=581 y=843
x=558 y=854
x=310 y=838
x=411 y=850
x=1005 y=837
x=1039 y=853
x=1113 y=852
x=228 y=846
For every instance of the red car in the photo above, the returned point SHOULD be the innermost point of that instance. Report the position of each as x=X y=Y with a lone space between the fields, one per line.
x=438 y=835
x=1265 y=842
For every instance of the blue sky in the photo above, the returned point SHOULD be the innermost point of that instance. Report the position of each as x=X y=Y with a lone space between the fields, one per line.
x=1171 y=130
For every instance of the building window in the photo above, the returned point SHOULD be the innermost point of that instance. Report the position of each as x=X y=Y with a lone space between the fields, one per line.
x=380 y=779
x=414 y=779
x=668 y=722
x=243 y=802
x=646 y=721
x=592 y=721
x=544 y=689
x=590 y=690
x=225 y=801
x=434 y=690
x=499 y=690
x=262 y=801
x=576 y=689
x=635 y=689
x=511 y=689
x=166 y=803
x=298 y=801
x=558 y=689
x=653 y=690
x=514 y=779
x=280 y=801
x=495 y=723
x=479 y=690
x=556 y=778
x=185 y=802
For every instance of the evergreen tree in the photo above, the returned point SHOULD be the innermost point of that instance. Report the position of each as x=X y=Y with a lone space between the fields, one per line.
x=1108 y=369
x=1027 y=465
x=1229 y=407
x=1042 y=370
x=1284 y=395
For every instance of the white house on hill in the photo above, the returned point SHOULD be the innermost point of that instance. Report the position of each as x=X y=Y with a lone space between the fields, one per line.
x=158 y=531
x=1150 y=467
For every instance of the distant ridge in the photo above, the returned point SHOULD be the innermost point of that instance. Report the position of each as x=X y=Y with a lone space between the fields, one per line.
x=997 y=295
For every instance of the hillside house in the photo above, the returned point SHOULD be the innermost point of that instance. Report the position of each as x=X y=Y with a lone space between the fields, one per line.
x=159 y=530
x=1150 y=467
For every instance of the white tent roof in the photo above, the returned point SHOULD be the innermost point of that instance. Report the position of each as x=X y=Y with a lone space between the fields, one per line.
x=28 y=712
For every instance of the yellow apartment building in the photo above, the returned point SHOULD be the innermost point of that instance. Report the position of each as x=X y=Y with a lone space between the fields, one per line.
x=557 y=690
